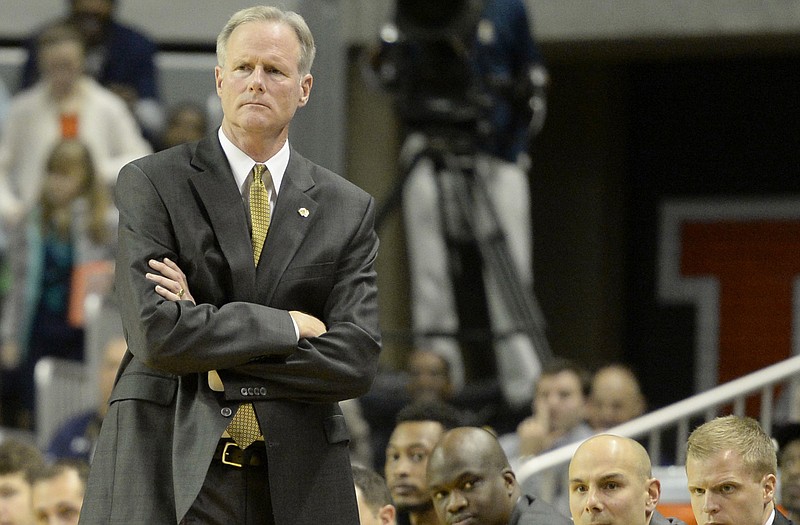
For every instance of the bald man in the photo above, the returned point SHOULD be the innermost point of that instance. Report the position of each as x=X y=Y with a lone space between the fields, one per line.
x=615 y=398
x=610 y=482
x=469 y=477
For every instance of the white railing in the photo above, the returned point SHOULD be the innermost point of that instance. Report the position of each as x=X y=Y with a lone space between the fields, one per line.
x=679 y=415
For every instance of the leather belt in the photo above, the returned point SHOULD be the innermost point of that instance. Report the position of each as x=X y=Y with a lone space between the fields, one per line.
x=229 y=453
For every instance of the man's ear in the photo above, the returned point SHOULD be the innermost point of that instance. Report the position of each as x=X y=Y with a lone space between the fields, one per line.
x=768 y=484
x=653 y=495
x=387 y=514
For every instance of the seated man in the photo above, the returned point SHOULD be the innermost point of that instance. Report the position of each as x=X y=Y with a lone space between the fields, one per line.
x=58 y=491
x=469 y=477
x=615 y=398
x=731 y=466
x=372 y=495
x=18 y=461
x=419 y=426
x=610 y=482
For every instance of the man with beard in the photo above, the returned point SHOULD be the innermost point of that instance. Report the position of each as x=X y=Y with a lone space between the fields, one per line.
x=119 y=57
x=419 y=426
x=470 y=480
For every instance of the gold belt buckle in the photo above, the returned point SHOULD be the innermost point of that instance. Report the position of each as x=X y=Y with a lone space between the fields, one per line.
x=225 y=460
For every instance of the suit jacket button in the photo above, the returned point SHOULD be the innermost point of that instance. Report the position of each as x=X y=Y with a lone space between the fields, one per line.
x=226 y=412
x=250 y=391
x=244 y=391
x=262 y=391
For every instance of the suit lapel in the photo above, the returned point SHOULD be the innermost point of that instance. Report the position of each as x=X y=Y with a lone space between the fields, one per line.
x=217 y=191
x=293 y=215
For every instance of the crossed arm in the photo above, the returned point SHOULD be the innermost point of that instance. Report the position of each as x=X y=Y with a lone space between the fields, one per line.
x=171 y=284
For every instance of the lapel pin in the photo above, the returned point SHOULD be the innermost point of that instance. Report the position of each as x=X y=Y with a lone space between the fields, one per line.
x=303 y=212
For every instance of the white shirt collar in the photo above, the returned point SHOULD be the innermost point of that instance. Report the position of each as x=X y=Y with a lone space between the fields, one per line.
x=241 y=164
x=771 y=518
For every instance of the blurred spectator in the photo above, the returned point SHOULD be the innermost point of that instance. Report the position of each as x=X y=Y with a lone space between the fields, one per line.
x=70 y=233
x=119 y=57
x=58 y=491
x=374 y=500
x=77 y=437
x=186 y=122
x=65 y=103
x=559 y=411
x=18 y=461
x=788 y=438
x=428 y=376
x=616 y=397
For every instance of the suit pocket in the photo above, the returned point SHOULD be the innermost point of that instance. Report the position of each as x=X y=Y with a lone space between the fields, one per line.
x=156 y=389
x=336 y=429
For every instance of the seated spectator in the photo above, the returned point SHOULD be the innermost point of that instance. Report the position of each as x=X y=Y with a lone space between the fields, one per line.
x=119 y=57
x=73 y=226
x=731 y=467
x=419 y=426
x=788 y=438
x=616 y=397
x=58 y=491
x=428 y=376
x=65 y=103
x=372 y=495
x=77 y=437
x=470 y=481
x=18 y=462
x=186 y=122
x=559 y=410
x=611 y=482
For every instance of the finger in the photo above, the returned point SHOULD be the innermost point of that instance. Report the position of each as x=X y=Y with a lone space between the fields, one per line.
x=542 y=413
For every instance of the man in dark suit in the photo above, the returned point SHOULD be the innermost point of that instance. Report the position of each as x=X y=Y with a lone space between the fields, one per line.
x=286 y=330
x=731 y=467
x=469 y=477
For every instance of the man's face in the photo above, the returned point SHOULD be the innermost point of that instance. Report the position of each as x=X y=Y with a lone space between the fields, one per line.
x=259 y=84
x=724 y=492
x=93 y=18
x=615 y=399
x=15 y=500
x=58 y=501
x=608 y=486
x=465 y=491
x=407 y=455
x=790 y=476
x=562 y=395
x=429 y=376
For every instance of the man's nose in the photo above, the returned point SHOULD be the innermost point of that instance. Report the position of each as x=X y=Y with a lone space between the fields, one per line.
x=456 y=502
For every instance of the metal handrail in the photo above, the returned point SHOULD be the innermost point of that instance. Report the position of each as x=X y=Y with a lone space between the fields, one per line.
x=679 y=415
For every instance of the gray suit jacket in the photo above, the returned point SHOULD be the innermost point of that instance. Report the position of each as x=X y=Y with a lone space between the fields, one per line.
x=164 y=421
x=530 y=510
x=659 y=519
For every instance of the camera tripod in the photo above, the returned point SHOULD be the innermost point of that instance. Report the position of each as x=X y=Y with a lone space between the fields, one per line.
x=469 y=214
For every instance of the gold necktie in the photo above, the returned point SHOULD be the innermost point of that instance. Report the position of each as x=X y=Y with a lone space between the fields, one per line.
x=244 y=428
x=259 y=210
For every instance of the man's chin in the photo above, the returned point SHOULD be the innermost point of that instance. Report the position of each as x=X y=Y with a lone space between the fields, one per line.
x=413 y=507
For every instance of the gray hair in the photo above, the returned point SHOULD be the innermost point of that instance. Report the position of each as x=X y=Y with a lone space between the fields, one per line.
x=262 y=13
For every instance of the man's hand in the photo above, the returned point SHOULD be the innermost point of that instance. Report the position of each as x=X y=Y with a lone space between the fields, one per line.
x=170 y=281
x=308 y=325
x=534 y=432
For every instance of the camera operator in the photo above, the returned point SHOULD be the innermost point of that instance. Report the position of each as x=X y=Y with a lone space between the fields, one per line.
x=469 y=80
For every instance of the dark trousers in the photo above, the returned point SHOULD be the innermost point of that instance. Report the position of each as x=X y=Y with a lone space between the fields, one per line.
x=231 y=494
